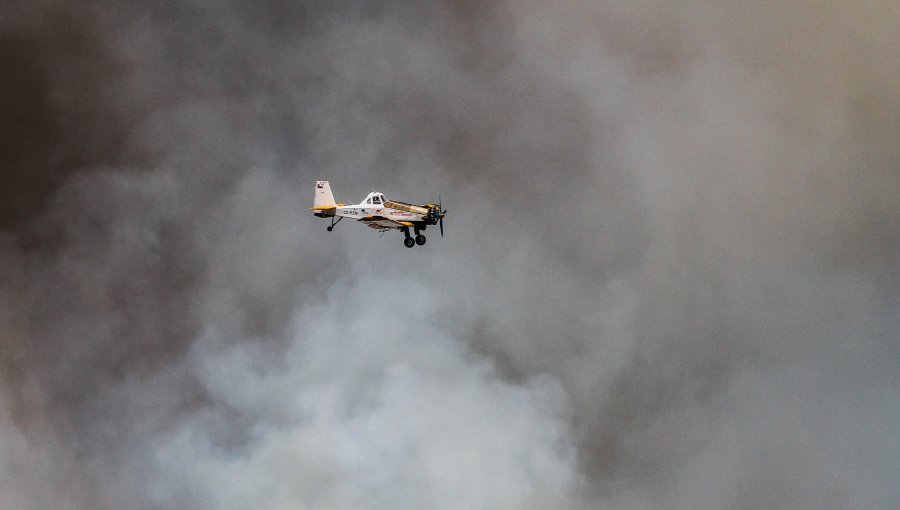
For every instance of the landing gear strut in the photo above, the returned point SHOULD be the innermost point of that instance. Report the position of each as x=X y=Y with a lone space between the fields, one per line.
x=333 y=223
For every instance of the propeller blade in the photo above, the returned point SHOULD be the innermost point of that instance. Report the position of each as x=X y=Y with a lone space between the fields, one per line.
x=439 y=214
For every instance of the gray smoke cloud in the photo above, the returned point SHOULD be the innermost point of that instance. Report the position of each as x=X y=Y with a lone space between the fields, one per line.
x=669 y=277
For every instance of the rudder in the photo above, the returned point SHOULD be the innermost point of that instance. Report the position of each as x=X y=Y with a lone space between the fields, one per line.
x=324 y=198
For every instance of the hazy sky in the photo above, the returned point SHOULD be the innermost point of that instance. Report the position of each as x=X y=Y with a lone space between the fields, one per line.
x=670 y=277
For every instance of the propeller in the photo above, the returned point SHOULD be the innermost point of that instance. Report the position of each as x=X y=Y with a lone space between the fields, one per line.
x=436 y=214
x=442 y=212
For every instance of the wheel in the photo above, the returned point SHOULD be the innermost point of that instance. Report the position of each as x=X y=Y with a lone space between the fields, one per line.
x=329 y=228
x=420 y=239
x=409 y=242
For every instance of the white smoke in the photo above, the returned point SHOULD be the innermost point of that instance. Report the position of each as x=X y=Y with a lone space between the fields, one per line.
x=372 y=405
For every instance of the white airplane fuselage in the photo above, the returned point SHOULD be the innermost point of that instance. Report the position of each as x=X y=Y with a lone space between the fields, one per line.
x=363 y=210
x=376 y=205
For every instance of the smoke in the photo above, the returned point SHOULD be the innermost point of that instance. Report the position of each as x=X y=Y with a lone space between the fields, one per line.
x=669 y=276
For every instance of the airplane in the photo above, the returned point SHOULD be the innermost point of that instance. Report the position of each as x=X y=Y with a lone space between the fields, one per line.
x=382 y=214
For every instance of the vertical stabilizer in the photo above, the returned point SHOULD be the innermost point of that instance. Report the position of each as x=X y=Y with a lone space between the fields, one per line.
x=324 y=198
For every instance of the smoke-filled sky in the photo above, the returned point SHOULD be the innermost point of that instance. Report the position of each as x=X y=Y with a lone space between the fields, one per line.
x=670 y=276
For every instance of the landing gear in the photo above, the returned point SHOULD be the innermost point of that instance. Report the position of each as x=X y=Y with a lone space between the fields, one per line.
x=333 y=223
x=409 y=242
x=420 y=239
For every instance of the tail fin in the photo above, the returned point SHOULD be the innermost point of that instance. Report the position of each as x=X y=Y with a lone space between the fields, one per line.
x=324 y=198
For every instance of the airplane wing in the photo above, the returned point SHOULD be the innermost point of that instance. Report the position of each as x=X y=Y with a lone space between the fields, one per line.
x=381 y=223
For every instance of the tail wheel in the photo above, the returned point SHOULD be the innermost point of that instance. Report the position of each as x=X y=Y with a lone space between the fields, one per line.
x=420 y=239
x=409 y=242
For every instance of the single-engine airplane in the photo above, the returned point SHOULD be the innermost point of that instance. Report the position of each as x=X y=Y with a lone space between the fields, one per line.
x=381 y=214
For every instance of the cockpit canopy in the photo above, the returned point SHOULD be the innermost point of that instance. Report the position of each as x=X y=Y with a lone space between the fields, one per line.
x=376 y=199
